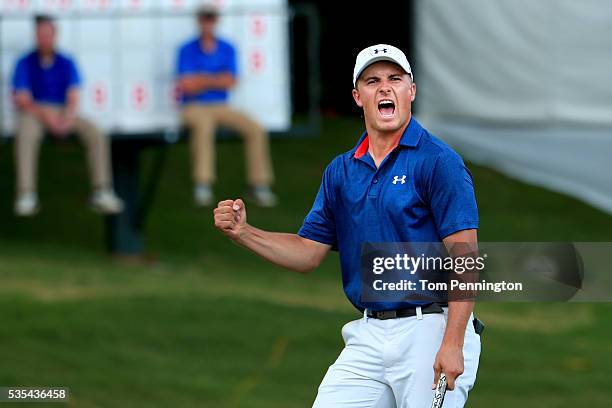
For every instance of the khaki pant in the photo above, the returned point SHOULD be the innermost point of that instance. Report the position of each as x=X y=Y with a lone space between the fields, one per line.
x=202 y=120
x=30 y=132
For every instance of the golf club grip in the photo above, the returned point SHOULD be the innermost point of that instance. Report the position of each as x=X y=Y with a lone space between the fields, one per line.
x=438 y=399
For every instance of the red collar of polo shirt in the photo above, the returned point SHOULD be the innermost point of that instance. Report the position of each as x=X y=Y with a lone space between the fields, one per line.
x=365 y=145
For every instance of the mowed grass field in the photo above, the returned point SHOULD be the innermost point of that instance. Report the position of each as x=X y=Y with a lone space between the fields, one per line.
x=211 y=325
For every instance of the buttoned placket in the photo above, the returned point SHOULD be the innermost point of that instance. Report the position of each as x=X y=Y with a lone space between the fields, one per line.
x=375 y=181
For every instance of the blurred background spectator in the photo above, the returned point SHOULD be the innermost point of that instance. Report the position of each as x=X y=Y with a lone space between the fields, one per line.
x=46 y=91
x=207 y=70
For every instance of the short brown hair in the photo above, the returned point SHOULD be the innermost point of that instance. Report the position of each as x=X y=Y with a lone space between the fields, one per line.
x=43 y=18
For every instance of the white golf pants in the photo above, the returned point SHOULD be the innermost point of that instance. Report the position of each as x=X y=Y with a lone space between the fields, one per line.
x=389 y=364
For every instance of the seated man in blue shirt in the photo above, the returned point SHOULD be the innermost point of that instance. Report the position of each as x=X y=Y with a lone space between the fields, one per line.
x=207 y=70
x=45 y=86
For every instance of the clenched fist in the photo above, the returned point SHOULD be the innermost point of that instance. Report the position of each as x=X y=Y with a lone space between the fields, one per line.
x=230 y=218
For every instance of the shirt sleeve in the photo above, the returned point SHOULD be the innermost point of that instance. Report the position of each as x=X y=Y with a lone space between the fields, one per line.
x=74 y=79
x=184 y=63
x=451 y=195
x=21 y=79
x=319 y=225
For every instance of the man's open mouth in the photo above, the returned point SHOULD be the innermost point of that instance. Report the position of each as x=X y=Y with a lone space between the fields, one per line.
x=386 y=107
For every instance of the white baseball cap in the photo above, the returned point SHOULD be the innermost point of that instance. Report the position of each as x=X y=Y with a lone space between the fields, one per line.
x=380 y=52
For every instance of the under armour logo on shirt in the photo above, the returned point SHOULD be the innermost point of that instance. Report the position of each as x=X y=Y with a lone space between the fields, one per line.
x=398 y=179
x=384 y=51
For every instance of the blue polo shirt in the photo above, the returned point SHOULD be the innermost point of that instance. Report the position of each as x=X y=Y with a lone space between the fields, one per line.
x=358 y=202
x=192 y=59
x=46 y=84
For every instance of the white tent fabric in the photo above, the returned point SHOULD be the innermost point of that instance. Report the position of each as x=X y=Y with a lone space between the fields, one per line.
x=571 y=160
x=522 y=85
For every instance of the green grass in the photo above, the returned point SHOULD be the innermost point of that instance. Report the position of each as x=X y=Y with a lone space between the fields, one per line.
x=212 y=325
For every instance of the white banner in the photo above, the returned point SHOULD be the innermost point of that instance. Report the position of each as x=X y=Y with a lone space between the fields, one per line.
x=516 y=61
x=524 y=86
x=127 y=49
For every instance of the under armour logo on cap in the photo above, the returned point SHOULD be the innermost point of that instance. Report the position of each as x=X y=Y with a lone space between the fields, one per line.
x=380 y=52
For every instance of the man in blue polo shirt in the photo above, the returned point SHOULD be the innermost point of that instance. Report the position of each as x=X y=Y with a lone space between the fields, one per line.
x=399 y=184
x=45 y=87
x=207 y=69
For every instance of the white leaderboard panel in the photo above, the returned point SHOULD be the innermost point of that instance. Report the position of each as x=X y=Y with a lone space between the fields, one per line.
x=126 y=53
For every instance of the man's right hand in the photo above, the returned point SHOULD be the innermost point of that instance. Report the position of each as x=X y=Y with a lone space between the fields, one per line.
x=230 y=218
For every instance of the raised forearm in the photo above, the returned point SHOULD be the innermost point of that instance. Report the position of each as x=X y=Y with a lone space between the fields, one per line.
x=286 y=250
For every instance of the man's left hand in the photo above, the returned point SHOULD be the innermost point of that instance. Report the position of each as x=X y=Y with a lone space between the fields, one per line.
x=449 y=361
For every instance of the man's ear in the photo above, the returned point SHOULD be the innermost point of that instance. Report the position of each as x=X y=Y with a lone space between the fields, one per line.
x=357 y=98
x=413 y=96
